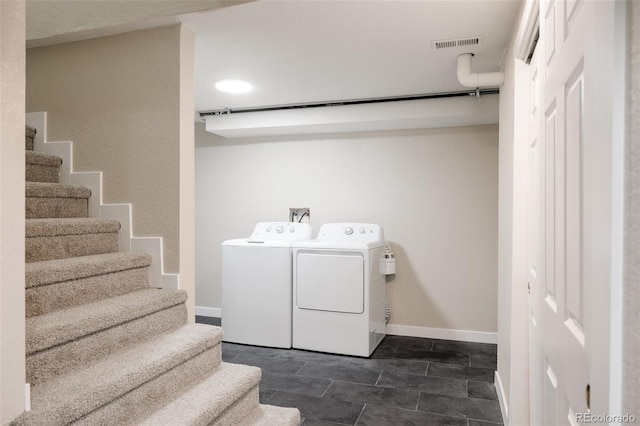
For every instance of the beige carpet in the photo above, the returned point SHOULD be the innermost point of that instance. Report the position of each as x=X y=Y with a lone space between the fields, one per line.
x=103 y=346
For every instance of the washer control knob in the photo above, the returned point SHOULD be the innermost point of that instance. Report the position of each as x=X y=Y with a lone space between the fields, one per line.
x=348 y=230
x=362 y=230
x=279 y=229
x=268 y=229
x=292 y=229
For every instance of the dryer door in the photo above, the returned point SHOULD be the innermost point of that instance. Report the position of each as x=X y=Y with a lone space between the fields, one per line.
x=330 y=281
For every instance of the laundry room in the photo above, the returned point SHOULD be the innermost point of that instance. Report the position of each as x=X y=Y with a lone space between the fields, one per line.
x=434 y=192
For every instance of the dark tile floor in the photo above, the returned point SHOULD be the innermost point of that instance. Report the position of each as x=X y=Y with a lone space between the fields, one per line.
x=406 y=381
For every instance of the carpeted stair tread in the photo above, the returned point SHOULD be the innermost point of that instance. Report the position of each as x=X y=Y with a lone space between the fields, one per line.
x=58 y=360
x=48 y=239
x=56 y=328
x=41 y=159
x=42 y=167
x=52 y=285
x=56 y=190
x=56 y=200
x=102 y=346
x=71 y=226
x=270 y=415
x=209 y=399
x=59 y=270
x=68 y=398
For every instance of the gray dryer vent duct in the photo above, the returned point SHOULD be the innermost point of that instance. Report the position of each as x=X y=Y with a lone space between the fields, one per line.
x=469 y=79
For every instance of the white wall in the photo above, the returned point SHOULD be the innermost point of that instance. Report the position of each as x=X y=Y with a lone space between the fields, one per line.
x=12 y=210
x=513 y=369
x=433 y=191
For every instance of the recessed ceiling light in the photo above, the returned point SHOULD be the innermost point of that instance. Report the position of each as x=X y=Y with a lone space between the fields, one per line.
x=233 y=86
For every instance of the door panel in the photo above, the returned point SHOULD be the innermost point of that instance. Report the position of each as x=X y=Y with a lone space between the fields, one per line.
x=330 y=282
x=560 y=321
x=575 y=222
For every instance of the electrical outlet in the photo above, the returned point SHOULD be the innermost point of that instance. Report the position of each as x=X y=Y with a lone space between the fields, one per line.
x=300 y=214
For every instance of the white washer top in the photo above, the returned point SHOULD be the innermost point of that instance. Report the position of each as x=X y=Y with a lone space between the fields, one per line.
x=347 y=236
x=274 y=234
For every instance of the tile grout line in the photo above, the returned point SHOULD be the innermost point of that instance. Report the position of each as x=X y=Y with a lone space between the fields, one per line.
x=298 y=370
x=360 y=415
x=379 y=377
x=327 y=389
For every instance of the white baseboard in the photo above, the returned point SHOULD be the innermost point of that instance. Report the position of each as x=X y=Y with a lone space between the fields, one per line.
x=502 y=399
x=208 y=312
x=442 y=333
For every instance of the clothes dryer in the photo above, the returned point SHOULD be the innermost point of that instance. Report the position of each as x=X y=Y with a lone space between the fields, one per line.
x=339 y=290
x=257 y=285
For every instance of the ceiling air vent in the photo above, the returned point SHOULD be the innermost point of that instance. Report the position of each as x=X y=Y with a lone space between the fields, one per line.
x=457 y=42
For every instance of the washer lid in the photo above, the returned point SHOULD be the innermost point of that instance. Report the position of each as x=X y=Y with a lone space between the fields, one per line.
x=274 y=234
x=249 y=242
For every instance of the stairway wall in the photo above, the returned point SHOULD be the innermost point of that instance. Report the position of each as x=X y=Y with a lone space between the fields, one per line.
x=120 y=99
x=12 y=210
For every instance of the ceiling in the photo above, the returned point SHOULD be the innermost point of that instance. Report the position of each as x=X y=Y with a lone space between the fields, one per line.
x=329 y=50
x=301 y=51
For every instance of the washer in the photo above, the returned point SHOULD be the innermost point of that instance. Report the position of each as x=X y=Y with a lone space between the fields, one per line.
x=256 y=284
x=339 y=290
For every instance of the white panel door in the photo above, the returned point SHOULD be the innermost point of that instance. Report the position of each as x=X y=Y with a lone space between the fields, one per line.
x=558 y=280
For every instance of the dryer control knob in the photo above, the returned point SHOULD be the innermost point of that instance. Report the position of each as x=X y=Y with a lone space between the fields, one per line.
x=268 y=229
x=362 y=230
x=292 y=229
x=348 y=230
x=279 y=229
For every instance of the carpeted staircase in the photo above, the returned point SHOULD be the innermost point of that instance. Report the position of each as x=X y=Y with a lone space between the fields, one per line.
x=105 y=348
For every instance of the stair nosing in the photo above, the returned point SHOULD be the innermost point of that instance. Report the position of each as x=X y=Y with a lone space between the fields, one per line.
x=56 y=190
x=50 y=272
x=219 y=398
x=128 y=369
x=41 y=159
x=69 y=226
x=59 y=327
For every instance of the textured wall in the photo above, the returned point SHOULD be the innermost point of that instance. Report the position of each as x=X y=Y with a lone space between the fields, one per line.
x=435 y=193
x=12 y=210
x=118 y=99
x=631 y=336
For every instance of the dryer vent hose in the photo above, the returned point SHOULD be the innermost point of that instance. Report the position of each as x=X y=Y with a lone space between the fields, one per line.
x=387 y=311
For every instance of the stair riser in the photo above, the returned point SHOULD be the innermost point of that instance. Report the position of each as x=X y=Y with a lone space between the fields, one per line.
x=240 y=409
x=40 y=173
x=38 y=207
x=53 y=297
x=61 y=359
x=155 y=393
x=65 y=246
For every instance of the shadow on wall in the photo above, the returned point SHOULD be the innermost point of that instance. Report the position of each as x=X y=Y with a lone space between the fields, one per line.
x=406 y=293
